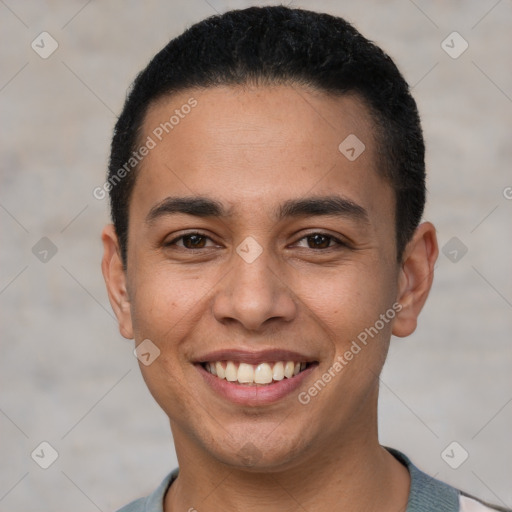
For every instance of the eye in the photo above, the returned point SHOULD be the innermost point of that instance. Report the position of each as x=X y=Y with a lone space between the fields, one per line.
x=190 y=241
x=321 y=241
x=198 y=240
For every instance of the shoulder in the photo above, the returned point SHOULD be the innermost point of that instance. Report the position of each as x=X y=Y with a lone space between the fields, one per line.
x=428 y=494
x=135 y=506
x=155 y=501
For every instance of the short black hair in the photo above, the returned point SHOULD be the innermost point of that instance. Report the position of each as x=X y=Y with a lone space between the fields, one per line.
x=280 y=45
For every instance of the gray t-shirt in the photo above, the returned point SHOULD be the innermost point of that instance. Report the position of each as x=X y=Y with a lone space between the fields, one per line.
x=426 y=494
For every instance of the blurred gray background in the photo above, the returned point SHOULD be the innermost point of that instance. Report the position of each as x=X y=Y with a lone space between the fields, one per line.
x=69 y=379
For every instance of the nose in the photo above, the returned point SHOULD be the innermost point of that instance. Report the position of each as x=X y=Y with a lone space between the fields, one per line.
x=254 y=295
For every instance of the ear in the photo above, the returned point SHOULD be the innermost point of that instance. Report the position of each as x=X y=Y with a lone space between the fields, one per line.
x=115 y=279
x=415 y=278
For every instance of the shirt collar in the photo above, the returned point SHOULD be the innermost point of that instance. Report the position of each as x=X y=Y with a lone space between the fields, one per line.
x=426 y=494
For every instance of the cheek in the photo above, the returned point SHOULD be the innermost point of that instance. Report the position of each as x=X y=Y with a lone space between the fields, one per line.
x=164 y=302
x=348 y=301
x=165 y=310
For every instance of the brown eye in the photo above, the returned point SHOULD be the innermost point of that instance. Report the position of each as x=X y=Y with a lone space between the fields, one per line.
x=194 y=241
x=318 y=241
x=190 y=241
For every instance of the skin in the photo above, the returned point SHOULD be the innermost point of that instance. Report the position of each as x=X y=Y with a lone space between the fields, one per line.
x=251 y=149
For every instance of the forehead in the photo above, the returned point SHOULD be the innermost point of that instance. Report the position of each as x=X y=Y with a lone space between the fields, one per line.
x=256 y=146
x=239 y=116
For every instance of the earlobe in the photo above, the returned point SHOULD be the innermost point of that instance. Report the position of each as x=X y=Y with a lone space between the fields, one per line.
x=415 y=278
x=115 y=280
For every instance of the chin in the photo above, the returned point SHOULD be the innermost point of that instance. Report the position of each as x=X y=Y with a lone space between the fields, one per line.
x=256 y=454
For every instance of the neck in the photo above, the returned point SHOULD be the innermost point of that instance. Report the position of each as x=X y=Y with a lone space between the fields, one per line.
x=354 y=474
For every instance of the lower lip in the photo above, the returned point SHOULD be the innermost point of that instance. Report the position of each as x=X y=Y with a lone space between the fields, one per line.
x=254 y=395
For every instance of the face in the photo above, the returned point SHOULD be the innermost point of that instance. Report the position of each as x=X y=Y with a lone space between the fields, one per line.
x=262 y=266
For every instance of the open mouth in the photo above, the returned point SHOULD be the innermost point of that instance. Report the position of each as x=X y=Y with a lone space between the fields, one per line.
x=260 y=374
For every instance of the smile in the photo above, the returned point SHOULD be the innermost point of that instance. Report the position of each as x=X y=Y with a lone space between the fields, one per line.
x=261 y=374
x=254 y=379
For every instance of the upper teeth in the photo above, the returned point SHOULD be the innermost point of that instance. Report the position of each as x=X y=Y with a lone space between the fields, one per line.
x=263 y=373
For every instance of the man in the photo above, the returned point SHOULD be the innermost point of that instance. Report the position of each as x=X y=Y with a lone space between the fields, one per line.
x=267 y=183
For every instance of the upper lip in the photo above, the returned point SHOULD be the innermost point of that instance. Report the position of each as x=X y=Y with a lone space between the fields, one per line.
x=254 y=357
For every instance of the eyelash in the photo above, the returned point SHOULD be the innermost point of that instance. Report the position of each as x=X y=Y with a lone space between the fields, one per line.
x=338 y=242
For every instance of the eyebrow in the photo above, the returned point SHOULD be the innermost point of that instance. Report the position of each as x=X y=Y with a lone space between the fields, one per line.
x=197 y=206
x=335 y=206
